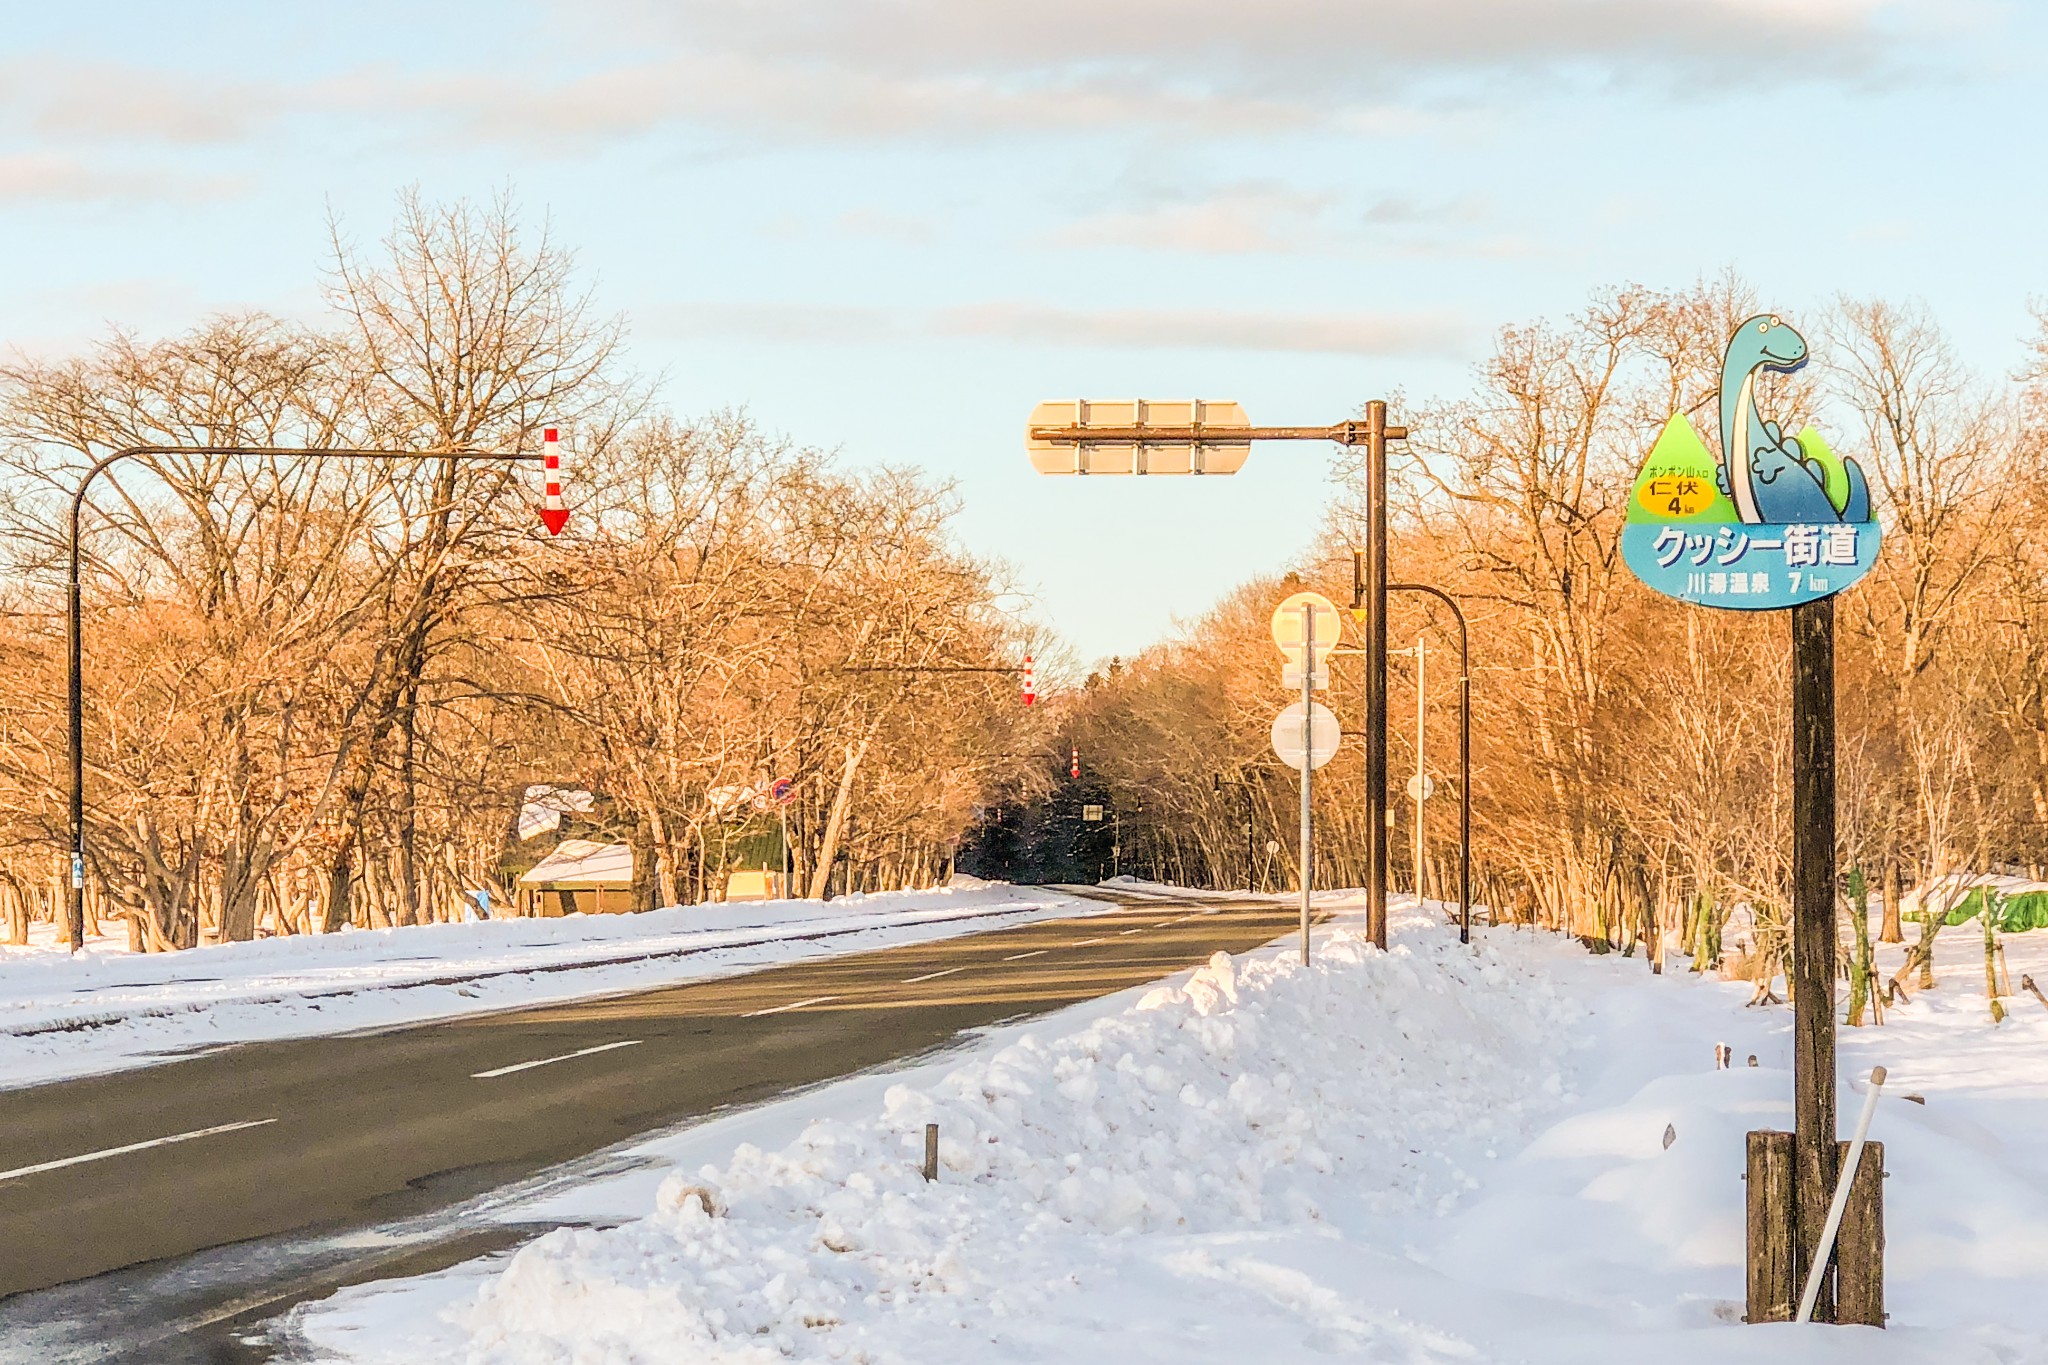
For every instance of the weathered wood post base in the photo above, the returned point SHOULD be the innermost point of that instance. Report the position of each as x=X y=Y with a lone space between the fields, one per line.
x=1775 y=1275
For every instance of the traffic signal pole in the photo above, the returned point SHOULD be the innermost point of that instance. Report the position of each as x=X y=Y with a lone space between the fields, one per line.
x=1373 y=433
x=1374 y=436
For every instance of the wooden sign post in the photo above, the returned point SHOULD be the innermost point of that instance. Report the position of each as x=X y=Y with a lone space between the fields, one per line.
x=1779 y=522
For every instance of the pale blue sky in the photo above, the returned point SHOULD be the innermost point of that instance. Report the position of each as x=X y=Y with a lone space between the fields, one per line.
x=890 y=226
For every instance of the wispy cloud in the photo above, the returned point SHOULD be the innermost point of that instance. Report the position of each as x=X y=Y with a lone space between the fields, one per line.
x=51 y=177
x=1232 y=220
x=875 y=70
x=1131 y=329
x=76 y=102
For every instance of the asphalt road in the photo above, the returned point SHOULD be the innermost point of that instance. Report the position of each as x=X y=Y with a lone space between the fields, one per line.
x=107 y=1173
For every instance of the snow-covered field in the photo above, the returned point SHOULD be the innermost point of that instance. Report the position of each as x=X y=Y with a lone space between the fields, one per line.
x=1436 y=1154
x=105 y=1008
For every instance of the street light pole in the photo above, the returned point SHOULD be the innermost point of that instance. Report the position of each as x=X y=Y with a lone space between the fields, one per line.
x=1464 y=752
x=1308 y=767
x=74 y=920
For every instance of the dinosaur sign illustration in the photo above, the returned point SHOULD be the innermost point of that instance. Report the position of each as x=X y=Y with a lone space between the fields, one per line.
x=1778 y=521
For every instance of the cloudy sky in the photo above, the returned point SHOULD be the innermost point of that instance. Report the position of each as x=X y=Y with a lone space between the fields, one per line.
x=891 y=226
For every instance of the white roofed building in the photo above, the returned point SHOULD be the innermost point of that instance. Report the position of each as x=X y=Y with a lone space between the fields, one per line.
x=582 y=876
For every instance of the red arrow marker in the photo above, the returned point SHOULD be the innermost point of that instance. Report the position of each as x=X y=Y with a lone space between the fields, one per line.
x=553 y=514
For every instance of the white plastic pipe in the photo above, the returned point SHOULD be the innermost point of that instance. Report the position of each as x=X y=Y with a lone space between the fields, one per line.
x=1841 y=1199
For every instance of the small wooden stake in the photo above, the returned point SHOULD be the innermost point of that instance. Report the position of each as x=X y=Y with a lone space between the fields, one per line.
x=931 y=1151
x=1859 y=1246
x=2027 y=984
x=1773 y=1268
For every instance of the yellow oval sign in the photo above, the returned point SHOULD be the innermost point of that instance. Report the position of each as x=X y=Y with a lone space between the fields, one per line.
x=1676 y=495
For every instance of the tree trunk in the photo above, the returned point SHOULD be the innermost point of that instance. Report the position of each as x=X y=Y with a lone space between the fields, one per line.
x=835 y=823
x=1893 y=931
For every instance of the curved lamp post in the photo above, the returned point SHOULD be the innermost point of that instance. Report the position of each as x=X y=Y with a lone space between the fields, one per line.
x=1464 y=755
x=74 y=923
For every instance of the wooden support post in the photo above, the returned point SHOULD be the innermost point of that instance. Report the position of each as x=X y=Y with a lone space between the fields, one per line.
x=1812 y=973
x=931 y=1151
x=1859 y=1244
x=1773 y=1265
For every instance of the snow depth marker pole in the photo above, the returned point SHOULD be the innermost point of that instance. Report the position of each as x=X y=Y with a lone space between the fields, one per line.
x=1841 y=1199
x=553 y=514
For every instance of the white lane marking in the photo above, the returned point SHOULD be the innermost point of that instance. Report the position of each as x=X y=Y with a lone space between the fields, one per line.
x=1139 y=930
x=549 y=1061
x=1019 y=957
x=106 y=1152
x=783 y=1009
x=931 y=976
x=1083 y=943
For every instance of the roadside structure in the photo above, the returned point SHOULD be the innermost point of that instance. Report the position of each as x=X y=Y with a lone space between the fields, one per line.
x=581 y=876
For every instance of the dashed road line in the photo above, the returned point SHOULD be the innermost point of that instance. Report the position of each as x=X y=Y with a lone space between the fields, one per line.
x=1019 y=957
x=1139 y=930
x=931 y=976
x=1083 y=943
x=550 y=1061
x=784 y=1009
x=125 y=1149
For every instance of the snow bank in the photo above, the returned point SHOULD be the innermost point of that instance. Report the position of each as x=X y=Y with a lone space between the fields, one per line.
x=1255 y=1097
x=63 y=1015
x=1403 y=1156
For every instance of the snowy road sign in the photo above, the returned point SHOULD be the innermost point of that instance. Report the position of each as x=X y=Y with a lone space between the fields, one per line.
x=1132 y=450
x=1290 y=673
x=1287 y=627
x=1324 y=733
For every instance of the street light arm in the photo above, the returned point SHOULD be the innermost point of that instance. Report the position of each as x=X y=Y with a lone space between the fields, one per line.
x=74 y=925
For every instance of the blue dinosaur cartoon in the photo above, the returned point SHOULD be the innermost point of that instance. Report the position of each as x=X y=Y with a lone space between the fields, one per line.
x=1769 y=476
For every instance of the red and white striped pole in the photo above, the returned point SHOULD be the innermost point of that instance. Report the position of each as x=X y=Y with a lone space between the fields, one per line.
x=1074 y=763
x=1030 y=682
x=553 y=514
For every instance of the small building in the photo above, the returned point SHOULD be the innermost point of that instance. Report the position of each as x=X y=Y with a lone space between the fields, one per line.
x=746 y=884
x=582 y=876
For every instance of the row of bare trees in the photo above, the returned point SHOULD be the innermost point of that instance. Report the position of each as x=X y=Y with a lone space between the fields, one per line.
x=316 y=689
x=1631 y=754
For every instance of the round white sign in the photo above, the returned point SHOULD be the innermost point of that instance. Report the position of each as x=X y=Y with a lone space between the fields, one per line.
x=1324 y=733
x=1421 y=788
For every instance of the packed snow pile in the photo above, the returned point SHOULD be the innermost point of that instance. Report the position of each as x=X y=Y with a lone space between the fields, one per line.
x=64 y=1014
x=1258 y=1097
x=1515 y=1153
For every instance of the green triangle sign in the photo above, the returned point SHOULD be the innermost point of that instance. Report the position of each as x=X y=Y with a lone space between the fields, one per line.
x=1677 y=482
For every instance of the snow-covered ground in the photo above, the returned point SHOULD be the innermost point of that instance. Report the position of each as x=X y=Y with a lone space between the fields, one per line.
x=106 y=1008
x=1435 y=1154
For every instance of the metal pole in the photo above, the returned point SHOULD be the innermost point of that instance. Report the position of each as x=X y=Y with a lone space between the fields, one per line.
x=1464 y=784
x=1812 y=975
x=1464 y=752
x=1421 y=767
x=1376 y=671
x=74 y=915
x=74 y=910
x=1250 y=854
x=1308 y=764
